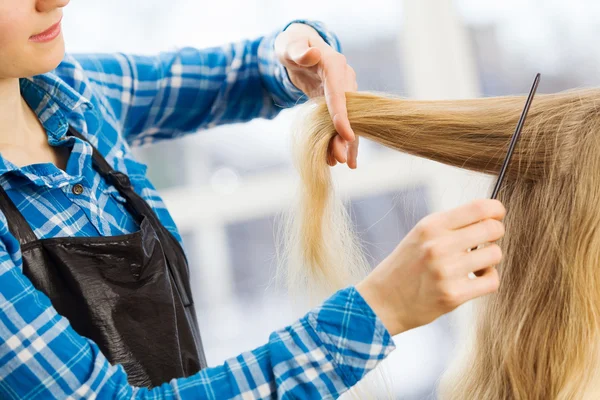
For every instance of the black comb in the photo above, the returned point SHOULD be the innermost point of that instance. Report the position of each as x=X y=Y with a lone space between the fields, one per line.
x=516 y=136
x=513 y=142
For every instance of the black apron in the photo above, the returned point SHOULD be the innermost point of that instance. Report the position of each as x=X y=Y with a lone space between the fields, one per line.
x=130 y=293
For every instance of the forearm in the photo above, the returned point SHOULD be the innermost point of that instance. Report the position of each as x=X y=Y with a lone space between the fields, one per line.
x=320 y=356
x=161 y=97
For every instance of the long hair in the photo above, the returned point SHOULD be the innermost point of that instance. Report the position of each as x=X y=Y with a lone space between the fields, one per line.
x=538 y=337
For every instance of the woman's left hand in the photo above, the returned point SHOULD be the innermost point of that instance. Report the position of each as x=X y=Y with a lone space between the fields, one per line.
x=317 y=69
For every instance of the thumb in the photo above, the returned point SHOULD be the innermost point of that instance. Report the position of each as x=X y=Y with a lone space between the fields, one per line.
x=302 y=54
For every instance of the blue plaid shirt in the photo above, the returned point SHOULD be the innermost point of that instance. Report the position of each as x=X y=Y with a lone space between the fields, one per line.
x=120 y=100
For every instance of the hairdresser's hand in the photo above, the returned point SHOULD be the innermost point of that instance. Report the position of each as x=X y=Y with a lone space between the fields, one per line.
x=317 y=69
x=427 y=274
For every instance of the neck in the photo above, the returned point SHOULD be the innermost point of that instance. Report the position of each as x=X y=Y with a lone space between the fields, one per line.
x=17 y=121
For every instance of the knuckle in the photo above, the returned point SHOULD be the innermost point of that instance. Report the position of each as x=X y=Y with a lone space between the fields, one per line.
x=438 y=272
x=428 y=226
x=423 y=229
x=341 y=58
x=448 y=298
x=431 y=251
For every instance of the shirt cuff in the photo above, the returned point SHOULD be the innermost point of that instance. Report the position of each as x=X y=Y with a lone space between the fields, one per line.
x=275 y=77
x=354 y=336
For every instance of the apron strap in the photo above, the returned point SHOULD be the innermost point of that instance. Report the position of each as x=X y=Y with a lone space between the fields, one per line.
x=17 y=224
x=136 y=205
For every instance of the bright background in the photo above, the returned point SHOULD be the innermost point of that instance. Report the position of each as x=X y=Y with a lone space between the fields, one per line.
x=225 y=186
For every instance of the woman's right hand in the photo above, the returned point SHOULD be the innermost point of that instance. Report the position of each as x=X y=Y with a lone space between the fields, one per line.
x=427 y=275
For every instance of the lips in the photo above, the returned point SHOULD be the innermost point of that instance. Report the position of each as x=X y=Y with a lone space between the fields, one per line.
x=49 y=34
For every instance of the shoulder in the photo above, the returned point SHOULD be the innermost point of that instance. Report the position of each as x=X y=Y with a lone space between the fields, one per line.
x=99 y=69
x=104 y=80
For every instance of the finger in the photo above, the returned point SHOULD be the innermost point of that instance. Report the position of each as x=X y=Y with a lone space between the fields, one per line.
x=479 y=260
x=334 y=79
x=487 y=283
x=488 y=230
x=340 y=151
x=296 y=48
x=341 y=122
x=353 y=154
x=302 y=54
x=473 y=212
x=330 y=158
x=351 y=84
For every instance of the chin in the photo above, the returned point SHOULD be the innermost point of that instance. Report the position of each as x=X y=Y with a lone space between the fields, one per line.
x=47 y=57
x=53 y=57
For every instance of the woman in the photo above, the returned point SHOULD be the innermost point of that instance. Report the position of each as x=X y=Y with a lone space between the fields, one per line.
x=94 y=292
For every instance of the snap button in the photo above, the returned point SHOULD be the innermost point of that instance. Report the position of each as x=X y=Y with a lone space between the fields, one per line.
x=78 y=189
x=120 y=179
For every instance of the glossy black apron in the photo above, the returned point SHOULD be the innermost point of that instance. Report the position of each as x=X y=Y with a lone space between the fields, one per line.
x=130 y=294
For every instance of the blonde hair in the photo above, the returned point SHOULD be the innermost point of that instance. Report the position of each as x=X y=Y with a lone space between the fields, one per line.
x=538 y=337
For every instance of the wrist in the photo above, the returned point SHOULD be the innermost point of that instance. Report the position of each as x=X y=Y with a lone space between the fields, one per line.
x=301 y=28
x=321 y=31
x=380 y=306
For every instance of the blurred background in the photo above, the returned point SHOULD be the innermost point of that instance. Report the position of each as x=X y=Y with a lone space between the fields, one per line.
x=237 y=179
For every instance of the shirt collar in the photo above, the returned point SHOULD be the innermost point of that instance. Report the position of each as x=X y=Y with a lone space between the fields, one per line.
x=54 y=102
x=59 y=91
